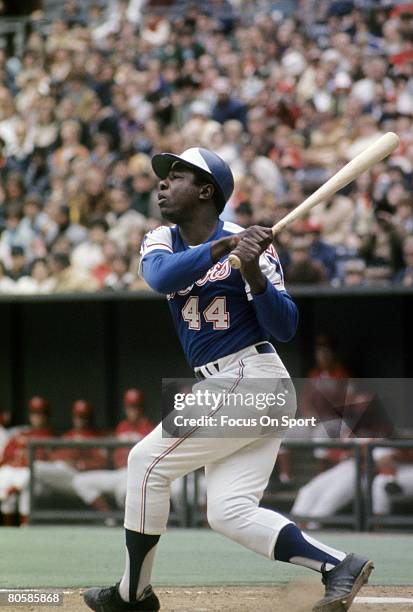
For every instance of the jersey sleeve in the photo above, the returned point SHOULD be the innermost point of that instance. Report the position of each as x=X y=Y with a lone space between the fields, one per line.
x=159 y=239
x=275 y=309
x=271 y=267
x=166 y=271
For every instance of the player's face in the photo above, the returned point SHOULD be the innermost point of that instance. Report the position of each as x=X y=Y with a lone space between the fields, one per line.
x=178 y=194
x=38 y=420
x=133 y=413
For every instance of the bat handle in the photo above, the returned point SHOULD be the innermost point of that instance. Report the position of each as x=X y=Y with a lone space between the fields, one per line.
x=234 y=261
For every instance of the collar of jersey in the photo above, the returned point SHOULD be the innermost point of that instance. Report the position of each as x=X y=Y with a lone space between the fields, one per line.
x=219 y=227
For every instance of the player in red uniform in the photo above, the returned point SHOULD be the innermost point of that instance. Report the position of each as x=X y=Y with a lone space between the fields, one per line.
x=91 y=486
x=14 y=470
x=57 y=474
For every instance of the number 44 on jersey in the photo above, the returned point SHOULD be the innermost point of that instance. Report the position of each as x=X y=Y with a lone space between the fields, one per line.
x=215 y=313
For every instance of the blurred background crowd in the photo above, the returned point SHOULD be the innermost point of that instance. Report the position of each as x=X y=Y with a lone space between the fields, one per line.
x=286 y=95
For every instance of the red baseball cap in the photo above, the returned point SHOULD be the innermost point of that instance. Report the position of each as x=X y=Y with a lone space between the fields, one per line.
x=38 y=404
x=133 y=397
x=82 y=408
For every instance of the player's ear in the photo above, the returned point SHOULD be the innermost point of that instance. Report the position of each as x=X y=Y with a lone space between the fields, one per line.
x=206 y=191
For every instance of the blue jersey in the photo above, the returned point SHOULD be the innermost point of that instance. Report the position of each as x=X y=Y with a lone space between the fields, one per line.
x=212 y=307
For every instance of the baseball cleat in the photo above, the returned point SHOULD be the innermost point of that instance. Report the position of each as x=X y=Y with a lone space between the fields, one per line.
x=109 y=600
x=343 y=583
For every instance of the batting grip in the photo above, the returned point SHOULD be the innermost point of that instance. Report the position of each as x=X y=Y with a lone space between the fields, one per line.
x=374 y=153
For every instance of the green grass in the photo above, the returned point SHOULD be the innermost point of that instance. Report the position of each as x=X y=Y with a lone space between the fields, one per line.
x=87 y=556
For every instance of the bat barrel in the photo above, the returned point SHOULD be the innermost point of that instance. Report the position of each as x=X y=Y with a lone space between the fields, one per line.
x=374 y=153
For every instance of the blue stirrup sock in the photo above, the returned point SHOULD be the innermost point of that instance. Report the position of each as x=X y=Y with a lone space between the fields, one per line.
x=294 y=546
x=140 y=553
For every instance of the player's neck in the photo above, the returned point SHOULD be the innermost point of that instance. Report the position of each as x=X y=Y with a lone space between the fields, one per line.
x=197 y=231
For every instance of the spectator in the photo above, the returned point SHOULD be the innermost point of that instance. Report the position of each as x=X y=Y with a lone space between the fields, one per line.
x=68 y=279
x=120 y=278
x=199 y=130
x=61 y=226
x=45 y=130
x=321 y=250
x=18 y=267
x=227 y=107
x=260 y=167
x=354 y=273
x=12 y=235
x=142 y=186
x=101 y=155
x=71 y=148
x=96 y=200
x=243 y=214
x=7 y=285
x=382 y=246
x=39 y=280
x=334 y=219
x=110 y=250
x=89 y=254
x=302 y=268
x=121 y=217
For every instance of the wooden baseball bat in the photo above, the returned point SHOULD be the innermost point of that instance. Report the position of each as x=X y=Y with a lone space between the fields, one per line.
x=374 y=153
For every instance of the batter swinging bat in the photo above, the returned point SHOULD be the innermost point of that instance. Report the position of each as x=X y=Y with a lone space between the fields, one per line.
x=374 y=153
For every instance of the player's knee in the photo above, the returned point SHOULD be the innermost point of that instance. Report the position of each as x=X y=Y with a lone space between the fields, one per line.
x=79 y=485
x=215 y=518
x=223 y=515
x=137 y=457
x=140 y=469
x=9 y=504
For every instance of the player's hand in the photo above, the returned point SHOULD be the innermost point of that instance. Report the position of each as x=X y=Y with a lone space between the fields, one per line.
x=253 y=242
x=223 y=246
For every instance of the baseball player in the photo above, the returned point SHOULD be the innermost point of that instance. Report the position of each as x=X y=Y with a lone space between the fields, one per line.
x=14 y=470
x=58 y=473
x=91 y=486
x=224 y=318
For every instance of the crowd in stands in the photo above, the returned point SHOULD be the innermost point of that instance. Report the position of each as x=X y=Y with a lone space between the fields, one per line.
x=285 y=99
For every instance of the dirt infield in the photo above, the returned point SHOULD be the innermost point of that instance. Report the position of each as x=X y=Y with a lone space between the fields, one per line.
x=295 y=597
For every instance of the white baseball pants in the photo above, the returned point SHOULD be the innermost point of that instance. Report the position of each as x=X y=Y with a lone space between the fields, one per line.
x=237 y=470
x=327 y=492
x=380 y=499
x=92 y=484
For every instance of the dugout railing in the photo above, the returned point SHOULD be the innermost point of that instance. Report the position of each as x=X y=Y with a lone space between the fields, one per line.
x=360 y=516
